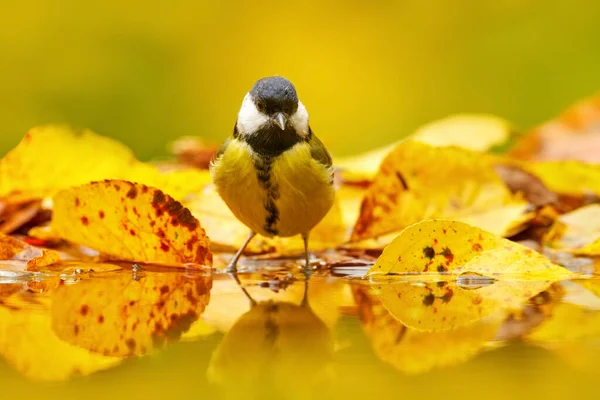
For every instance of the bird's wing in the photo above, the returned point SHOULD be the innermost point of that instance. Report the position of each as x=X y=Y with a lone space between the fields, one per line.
x=223 y=147
x=318 y=150
x=226 y=142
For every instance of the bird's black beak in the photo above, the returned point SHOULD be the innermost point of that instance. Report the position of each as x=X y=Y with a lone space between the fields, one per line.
x=281 y=120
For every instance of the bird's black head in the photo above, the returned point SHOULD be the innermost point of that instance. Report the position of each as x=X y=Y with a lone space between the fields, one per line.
x=274 y=95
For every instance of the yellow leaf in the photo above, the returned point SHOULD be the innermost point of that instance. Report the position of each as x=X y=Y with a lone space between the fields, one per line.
x=478 y=132
x=506 y=220
x=29 y=344
x=456 y=248
x=363 y=167
x=417 y=182
x=47 y=258
x=122 y=316
x=51 y=158
x=16 y=255
x=567 y=177
x=130 y=222
x=412 y=351
x=577 y=231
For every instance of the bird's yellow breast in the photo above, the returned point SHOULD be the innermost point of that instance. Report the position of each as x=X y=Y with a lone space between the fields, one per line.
x=282 y=196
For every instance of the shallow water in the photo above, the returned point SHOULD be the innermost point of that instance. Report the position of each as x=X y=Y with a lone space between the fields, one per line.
x=156 y=334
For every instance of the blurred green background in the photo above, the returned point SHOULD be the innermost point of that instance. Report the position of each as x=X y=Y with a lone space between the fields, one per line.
x=147 y=72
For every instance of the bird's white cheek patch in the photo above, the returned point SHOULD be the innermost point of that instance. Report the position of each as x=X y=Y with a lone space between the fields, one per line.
x=300 y=120
x=249 y=118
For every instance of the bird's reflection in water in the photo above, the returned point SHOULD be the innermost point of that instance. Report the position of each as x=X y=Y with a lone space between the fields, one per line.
x=275 y=350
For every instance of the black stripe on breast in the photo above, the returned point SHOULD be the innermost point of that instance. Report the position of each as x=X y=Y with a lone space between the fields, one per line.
x=271 y=141
x=263 y=167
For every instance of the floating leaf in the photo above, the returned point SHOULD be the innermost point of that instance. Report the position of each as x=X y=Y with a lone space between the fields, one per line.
x=577 y=231
x=51 y=158
x=456 y=248
x=47 y=258
x=122 y=316
x=130 y=222
x=413 y=351
x=417 y=182
x=16 y=255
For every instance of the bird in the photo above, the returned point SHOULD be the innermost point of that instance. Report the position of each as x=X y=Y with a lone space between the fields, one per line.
x=273 y=172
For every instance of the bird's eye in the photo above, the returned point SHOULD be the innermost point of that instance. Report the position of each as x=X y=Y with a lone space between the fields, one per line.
x=260 y=106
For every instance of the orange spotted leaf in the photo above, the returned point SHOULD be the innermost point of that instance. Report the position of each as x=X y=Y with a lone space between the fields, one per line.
x=132 y=222
x=453 y=247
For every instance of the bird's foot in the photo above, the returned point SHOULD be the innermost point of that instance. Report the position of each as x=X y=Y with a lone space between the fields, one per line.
x=307 y=271
x=231 y=269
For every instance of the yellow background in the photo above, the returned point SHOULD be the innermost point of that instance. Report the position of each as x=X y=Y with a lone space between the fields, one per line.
x=369 y=72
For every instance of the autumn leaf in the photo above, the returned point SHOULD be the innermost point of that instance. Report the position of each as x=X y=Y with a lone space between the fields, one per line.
x=453 y=247
x=477 y=132
x=362 y=168
x=577 y=231
x=122 y=316
x=573 y=135
x=413 y=351
x=51 y=158
x=567 y=177
x=525 y=183
x=131 y=222
x=29 y=344
x=16 y=255
x=417 y=182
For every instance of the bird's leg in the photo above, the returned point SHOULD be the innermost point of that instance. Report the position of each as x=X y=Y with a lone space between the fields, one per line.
x=307 y=269
x=232 y=267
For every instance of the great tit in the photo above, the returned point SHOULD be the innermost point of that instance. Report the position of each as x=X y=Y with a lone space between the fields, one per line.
x=273 y=173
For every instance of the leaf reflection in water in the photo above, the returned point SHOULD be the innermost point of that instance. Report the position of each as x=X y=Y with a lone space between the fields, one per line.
x=416 y=327
x=81 y=327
